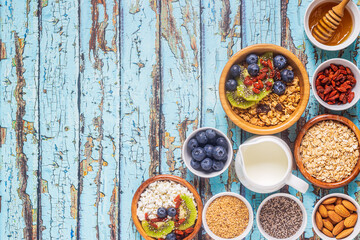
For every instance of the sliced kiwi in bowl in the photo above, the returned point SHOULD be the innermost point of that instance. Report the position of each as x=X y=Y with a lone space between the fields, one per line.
x=188 y=211
x=163 y=229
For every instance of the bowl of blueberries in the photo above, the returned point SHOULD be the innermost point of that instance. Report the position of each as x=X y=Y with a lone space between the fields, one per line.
x=207 y=152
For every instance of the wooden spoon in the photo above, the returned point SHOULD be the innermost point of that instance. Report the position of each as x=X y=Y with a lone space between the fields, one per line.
x=326 y=27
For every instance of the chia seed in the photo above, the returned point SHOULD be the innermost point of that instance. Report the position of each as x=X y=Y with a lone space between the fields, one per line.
x=281 y=217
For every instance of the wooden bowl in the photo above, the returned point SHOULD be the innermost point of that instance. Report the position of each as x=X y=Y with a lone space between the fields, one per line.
x=299 y=163
x=299 y=71
x=168 y=178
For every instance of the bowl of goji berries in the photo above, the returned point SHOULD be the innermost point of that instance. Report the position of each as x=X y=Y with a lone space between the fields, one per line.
x=335 y=84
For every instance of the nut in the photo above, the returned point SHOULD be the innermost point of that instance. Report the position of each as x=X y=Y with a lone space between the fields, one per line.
x=349 y=205
x=338 y=228
x=328 y=224
x=319 y=221
x=342 y=211
x=327 y=232
x=330 y=207
x=345 y=233
x=338 y=201
x=334 y=216
x=323 y=211
x=350 y=221
x=329 y=200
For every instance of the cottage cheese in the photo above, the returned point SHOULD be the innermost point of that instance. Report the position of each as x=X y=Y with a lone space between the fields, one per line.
x=160 y=194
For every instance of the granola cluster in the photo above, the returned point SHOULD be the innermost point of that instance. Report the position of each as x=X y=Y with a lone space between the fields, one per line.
x=329 y=151
x=273 y=109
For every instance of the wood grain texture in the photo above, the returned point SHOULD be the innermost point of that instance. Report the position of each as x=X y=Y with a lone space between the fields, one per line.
x=98 y=95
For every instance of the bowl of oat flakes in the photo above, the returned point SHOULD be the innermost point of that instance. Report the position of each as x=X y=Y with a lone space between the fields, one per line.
x=327 y=151
x=264 y=89
x=227 y=216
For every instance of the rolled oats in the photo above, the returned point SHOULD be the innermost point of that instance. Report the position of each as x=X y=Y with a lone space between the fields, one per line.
x=329 y=151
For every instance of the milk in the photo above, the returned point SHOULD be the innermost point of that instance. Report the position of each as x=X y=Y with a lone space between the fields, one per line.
x=265 y=163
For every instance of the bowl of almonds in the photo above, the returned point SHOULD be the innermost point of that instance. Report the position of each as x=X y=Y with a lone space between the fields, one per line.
x=335 y=216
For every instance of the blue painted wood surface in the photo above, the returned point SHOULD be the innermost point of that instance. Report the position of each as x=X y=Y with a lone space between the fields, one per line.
x=99 y=95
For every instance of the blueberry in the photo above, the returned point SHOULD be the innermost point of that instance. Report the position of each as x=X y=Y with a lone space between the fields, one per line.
x=279 y=88
x=235 y=70
x=206 y=164
x=280 y=61
x=253 y=69
x=219 y=153
x=161 y=212
x=201 y=138
x=287 y=75
x=171 y=212
x=198 y=154
x=211 y=135
x=251 y=58
x=171 y=236
x=192 y=144
x=231 y=85
x=218 y=165
x=195 y=164
x=221 y=142
x=208 y=150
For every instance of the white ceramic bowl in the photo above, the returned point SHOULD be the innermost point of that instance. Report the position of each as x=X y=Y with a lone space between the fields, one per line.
x=303 y=226
x=251 y=216
x=186 y=154
x=356 y=227
x=356 y=89
x=355 y=14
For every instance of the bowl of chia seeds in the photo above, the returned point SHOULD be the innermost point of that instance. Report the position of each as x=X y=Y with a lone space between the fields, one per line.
x=281 y=216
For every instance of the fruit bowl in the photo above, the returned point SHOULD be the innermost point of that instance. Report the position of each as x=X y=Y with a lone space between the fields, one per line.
x=298 y=70
x=187 y=157
x=299 y=162
x=176 y=179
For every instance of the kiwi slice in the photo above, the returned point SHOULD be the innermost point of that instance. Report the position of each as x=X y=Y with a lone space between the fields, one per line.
x=239 y=102
x=246 y=92
x=164 y=228
x=188 y=211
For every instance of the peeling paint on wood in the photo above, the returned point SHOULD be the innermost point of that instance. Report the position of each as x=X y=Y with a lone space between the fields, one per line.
x=2 y=135
x=2 y=50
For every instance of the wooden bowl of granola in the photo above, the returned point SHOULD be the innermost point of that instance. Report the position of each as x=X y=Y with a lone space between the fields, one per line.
x=327 y=151
x=264 y=112
x=173 y=187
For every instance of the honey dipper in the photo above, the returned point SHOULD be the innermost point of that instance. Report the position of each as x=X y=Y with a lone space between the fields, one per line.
x=326 y=27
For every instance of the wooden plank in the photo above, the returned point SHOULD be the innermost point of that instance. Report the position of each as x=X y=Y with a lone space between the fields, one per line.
x=181 y=83
x=140 y=102
x=59 y=125
x=99 y=116
x=221 y=38
x=19 y=117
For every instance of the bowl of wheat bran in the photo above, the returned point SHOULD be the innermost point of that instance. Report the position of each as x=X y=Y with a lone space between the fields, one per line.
x=228 y=216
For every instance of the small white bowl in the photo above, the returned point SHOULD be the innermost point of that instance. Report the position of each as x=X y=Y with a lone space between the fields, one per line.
x=355 y=15
x=251 y=216
x=186 y=154
x=356 y=227
x=356 y=89
x=299 y=232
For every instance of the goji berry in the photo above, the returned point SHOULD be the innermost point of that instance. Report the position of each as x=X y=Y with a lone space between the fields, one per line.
x=248 y=82
x=179 y=232
x=189 y=230
x=153 y=225
x=270 y=64
x=255 y=90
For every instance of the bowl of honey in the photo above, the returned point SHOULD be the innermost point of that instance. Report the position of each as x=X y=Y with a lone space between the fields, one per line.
x=347 y=31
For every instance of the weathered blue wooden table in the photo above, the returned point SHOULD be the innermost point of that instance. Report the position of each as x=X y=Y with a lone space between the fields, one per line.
x=98 y=95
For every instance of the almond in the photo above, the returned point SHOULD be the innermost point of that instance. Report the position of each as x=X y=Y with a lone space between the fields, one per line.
x=332 y=222
x=351 y=220
x=319 y=221
x=329 y=200
x=323 y=211
x=330 y=207
x=345 y=233
x=327 y=233
x=349 y=205
x=342 y=211
x=338 y=201
x=338 y=228
x=334 y=216
x=328 y=224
